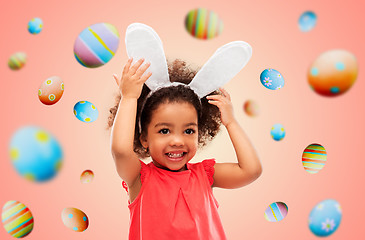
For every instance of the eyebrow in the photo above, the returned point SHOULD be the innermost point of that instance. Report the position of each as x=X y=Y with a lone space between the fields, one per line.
x=169 y=124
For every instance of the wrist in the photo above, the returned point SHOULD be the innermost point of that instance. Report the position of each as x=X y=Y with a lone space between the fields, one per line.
x=231 y=123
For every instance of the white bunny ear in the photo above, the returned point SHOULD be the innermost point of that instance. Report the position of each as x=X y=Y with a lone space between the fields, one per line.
x=225 y=63
x=143 y=42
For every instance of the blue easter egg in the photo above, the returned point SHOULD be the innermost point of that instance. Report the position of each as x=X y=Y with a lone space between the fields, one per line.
x=271 y=79
x=307 y=21
x=325 y=218
x=35 y=154
x=277 y=132
x=85 y=111
x=35 y=25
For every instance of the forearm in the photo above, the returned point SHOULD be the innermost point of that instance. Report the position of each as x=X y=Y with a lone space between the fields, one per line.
x=123 y=127
x=247 y=158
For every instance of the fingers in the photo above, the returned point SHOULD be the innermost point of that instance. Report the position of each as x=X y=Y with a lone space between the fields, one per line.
x=127 y=66
x=219 y=98
x=145 y=77
x=225 y=93
x=141 y=70
x=116 y=79
x=135 y=66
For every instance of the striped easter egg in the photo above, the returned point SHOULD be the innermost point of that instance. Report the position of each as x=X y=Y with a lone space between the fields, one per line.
x=17 y=219
x=17 y=61
x=314 y=158
x=96 y=45
x=276 y=212
x=203 y=23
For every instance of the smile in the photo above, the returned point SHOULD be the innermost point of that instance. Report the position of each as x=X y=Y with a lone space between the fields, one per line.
x=175 y=156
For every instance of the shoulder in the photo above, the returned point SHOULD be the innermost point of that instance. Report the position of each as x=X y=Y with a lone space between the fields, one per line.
x=207 y=166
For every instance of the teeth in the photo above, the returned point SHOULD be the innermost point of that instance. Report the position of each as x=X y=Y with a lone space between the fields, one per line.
x=175 y=155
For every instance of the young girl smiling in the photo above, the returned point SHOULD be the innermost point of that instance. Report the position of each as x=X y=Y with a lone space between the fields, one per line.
x=171 y=198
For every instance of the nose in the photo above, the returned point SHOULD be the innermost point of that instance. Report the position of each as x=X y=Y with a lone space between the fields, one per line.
x=177 y=140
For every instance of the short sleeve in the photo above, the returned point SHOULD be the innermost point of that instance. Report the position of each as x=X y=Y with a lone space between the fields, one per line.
x=209 y=169
x=144 y=171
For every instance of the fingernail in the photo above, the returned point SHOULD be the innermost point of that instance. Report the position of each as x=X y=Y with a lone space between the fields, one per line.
x=115 y=75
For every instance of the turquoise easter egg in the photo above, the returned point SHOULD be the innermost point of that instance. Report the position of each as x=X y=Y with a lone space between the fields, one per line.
x=35 y=25
x=35 y=154
x=277 y=132
x=86 y=111
x=96 y=45
x=307 y=21
x=325 y=218
x=271 y=79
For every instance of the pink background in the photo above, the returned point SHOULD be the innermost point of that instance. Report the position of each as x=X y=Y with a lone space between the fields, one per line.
x=272 y=30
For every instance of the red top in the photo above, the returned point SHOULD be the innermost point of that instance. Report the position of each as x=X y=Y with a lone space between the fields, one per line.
x=176 y=205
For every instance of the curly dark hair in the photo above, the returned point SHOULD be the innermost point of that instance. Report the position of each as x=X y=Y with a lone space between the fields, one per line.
x=209 y=119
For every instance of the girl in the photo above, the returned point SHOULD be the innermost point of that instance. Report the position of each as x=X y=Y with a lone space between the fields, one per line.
x=171 y=198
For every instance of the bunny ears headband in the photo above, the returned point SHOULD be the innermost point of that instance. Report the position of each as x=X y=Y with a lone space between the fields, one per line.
x=143 y=42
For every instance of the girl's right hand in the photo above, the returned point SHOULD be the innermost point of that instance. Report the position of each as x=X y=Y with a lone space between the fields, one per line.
x=131 y=83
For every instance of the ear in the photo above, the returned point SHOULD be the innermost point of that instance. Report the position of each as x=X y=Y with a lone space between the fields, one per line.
x=143 y=140
x=225 y=63
x=143 y=42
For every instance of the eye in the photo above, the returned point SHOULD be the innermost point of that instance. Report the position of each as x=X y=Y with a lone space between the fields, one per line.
x=164 y=131
x=189 y=131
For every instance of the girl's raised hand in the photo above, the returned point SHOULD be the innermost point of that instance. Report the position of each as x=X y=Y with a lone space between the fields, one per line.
x=223 y=102
x=131 y=83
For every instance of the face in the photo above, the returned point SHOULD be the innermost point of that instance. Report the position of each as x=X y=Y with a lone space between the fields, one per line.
x=172 y=135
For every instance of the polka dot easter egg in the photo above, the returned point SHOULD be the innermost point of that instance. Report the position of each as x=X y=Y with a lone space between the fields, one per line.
x=75 y=219
x=251 y=108
x=333 y=73
x=307 y=21
x=35 y=25
x=85 y=111
x=17 y=219
x=87 y=176
x=51 y=90
x=203 y=24
x=35 y=154
x=271 y=79
x=277 y=132
x=96 y=45
x=314 y=158
x=325 y=218
x=17 y=61
x=276 y=212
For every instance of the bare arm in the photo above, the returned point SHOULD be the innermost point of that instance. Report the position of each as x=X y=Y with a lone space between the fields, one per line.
x=248 y=168
x=130 y=85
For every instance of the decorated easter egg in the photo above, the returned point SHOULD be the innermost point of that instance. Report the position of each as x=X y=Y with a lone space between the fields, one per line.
x=35 y=154
x=307 y=21
x=87 y=176
x=85 y=111
x=17 y=61
x=325 y=218
x=203 y=24
x=96 y=45
x=35 y=25
x=333 y=72
x=251 y=108
x=51 y=90
x=271 y=79
x=75 y=219
x=17 y=219
x=314 y=158
x=276 y=212
x=277 y=132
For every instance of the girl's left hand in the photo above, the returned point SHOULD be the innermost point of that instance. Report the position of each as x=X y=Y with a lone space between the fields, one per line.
x=223 y=102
